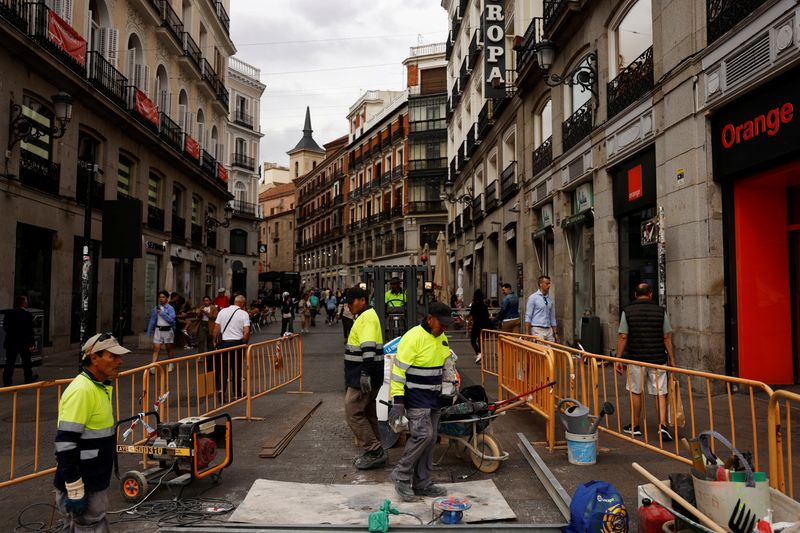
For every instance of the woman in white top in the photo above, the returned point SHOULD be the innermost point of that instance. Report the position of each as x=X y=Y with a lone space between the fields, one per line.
x=206 y=314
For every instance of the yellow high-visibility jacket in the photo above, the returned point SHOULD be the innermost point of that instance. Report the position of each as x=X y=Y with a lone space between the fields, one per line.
x=417 y=369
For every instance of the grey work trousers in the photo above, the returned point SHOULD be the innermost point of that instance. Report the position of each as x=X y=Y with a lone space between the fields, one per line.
x=362 y=417
x=93 y=520
x=416 y=465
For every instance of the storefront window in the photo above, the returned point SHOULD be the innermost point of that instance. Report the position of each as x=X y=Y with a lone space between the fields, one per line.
x=637 y=263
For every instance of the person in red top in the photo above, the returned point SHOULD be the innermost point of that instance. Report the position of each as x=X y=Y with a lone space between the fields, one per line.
x=222 y=301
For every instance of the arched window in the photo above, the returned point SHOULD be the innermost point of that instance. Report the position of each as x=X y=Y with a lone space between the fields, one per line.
x=633 y=35
x=216 y=149
x=577 y=93
x=296 y=169
x=543 y=124
x=103 y=37
x=240 y=192
x=201 y=128
x=184 y=116
x=162 y=94
x=137 y=72
x=238 y=242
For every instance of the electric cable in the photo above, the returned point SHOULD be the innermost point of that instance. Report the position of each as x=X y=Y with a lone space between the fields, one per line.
x=178 y=512
x=38 y=526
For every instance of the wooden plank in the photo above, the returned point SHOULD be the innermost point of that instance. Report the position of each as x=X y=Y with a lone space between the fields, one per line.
x=290 y=423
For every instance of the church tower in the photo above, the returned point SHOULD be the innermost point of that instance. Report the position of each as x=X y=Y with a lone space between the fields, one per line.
x=305 y=156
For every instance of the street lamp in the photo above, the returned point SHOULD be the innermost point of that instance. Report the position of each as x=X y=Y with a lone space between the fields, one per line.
x=584 y=75
x=212 y=223
x=22 y=128
x=465 y=198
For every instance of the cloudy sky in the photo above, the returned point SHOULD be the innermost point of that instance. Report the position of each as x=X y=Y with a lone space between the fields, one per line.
x=324 y=54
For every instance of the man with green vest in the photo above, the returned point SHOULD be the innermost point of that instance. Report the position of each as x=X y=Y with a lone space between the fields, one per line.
x=395 y=296
x=416 y=389
x=363 y=372
x=85 y=438
x=645 y=335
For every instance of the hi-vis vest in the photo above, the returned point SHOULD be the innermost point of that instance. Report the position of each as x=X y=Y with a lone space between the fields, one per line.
x=364 y=350
x=395 y=300
x=417 y=369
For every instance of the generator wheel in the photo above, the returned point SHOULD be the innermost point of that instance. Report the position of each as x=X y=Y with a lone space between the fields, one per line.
x=133 y=486
x=486 y=445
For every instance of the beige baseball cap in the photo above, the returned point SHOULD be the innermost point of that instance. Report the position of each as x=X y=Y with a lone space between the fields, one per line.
x=103 y=342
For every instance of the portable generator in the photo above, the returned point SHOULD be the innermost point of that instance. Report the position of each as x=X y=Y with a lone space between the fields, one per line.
x=192 y=448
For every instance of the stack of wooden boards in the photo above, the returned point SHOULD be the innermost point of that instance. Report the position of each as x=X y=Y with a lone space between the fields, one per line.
x=283 y=430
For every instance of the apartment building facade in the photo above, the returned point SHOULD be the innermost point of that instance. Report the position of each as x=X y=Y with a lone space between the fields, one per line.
x=147 y=123
x=646 y=116
x=244 y=137
x=277 y=233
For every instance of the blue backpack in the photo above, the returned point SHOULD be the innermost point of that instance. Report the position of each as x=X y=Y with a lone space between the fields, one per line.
x=597 y=507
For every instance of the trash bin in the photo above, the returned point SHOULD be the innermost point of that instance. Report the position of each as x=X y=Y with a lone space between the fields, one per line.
x=38 y=336
x=591 y=334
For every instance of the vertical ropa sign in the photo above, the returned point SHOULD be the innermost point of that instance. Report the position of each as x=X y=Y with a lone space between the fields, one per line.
x=494 y=49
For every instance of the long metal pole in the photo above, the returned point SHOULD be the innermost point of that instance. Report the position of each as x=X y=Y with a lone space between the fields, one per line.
x=662 y=259
x=86 y=268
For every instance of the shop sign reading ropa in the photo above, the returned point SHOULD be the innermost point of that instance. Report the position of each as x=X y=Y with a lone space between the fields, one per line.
x=494 y=53
x=757 y=128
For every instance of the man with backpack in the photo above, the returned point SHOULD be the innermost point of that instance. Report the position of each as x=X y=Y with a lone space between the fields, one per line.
x=313 y=300
x=330 y=307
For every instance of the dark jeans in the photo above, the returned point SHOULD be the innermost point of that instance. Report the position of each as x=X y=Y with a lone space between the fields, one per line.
x=231 y=364
x=11 y=361
x=347 y=325
x=287 y=325
x=475 y=338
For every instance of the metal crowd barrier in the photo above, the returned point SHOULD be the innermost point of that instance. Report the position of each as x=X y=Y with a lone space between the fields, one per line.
x=198 y=385
x=781 y=464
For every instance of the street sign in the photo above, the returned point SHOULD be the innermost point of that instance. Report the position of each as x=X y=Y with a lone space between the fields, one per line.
x=649 y=231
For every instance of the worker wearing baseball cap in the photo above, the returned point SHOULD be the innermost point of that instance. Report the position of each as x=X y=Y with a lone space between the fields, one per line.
x=222 y=301
x=416 y=389
x=85 y=438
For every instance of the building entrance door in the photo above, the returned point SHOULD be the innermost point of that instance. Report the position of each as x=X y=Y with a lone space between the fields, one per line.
x=794 y=260
x=32 y=270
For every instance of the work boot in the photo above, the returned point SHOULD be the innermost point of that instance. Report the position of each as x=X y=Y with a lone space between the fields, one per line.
x=431 y=491
x=404 y=490
x=371 y=459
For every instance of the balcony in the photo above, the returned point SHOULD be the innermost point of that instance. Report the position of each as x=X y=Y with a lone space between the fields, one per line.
x=241 y=208
x=477 y=208
x=243 y=119
x=475 y=47
x=38 y=30
x=14 y=11
x=211 y=239
x=151 y=9
x=197 y=235
x=243 y=161
x=396 y=212
x=172 y=26
x=178 y=231
x=543 y=156
x=399 y=242
x=170 y=132
x=191 y=52
x=223 y=17
x=451 y=231
x=208 y=164
x=723 y=15
x=82 y=178
x=338 y=199
x=458 y=226
x=397 y=172
x=466 y=217
x=453 y=169
x=215 y=84
x=462 y=154
x=455 y=25
x=577 y=127
x=508 y=181
x=421 y=126
x=106 y=79
x=426 y=207
x=526 y=53
x=38 y=173
x=464 y=74
x=155 y=218
x=472 y=139
x=631 y=84
x=420 y=165
x=492 y=202
x=485 y=121
x=448 y=46
x=556 y=13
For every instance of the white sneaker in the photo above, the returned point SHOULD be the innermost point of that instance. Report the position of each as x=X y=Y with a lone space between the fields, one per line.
x=153 y=371
x=478 y=358
x=170 y=367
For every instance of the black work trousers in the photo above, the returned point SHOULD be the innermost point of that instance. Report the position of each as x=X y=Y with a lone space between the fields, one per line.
x=231 y=363
x=11 y=361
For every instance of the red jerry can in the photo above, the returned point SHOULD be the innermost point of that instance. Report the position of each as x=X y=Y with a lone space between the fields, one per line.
x=652 y=516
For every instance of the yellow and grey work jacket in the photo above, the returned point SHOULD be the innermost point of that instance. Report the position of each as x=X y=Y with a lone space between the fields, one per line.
x=417 y=369
x=85 y=437
x=364 y=351
x=395 y=299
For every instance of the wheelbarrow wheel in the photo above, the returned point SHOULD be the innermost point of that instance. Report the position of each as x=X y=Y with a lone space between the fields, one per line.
x=133 y=486
x=486 y=445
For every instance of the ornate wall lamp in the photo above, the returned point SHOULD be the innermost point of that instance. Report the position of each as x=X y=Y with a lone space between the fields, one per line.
x=22 y=128
x=212 y=223
x=584 y=75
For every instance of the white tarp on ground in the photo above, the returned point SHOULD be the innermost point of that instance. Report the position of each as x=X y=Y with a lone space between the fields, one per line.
x=284 y=502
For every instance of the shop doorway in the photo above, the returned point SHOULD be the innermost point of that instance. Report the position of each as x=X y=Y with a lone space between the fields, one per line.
x=638 y=263
x=32 y=270
x=794 y=273
x=239 y=279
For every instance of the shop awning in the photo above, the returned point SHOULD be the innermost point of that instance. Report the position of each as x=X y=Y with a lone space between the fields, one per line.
x=468 y=261
x=510 y=231
x=479 y=245
x=584 y=217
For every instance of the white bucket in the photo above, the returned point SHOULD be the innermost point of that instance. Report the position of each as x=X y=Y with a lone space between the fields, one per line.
x=581 y=449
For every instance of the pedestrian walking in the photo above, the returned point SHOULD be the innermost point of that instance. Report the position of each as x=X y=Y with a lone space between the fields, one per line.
x=304 y=307
x=479 y=314
x=415 y=389
x=19 y=341
x=345 y=315
x=509 y=310
x=287 y=314
x=330 y=307
x=363 y=369
x=313 y=305
x=232 y=328
x=540 y=313
x=85 y=438
x=645 y=335
x=206 y=316
x=162 y=328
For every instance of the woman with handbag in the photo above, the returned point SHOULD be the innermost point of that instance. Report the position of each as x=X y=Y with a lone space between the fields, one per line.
x=287 y=314
x=206 y=314
x=305 y=312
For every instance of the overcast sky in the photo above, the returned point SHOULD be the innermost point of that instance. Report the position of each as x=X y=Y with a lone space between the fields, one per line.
x=324 y=54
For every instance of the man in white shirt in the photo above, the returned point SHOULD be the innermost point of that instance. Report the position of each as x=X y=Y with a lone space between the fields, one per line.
x=232 y=328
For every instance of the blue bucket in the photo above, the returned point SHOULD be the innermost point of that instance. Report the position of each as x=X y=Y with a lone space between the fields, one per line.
x=581 y=449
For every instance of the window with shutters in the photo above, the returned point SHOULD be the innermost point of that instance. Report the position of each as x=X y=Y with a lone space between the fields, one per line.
x=238 y=242
x=196 y=203
x=62 y=8
x=124 y=176
x=41 y=119
x=153 y=190
x=177 y=201
x=162 y=94
x=137 y=72
x=201 y=128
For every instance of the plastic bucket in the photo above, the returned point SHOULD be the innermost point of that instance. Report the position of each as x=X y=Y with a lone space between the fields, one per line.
x=581 y=449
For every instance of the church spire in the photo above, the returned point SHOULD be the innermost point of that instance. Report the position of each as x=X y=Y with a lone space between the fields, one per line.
x=307 y=142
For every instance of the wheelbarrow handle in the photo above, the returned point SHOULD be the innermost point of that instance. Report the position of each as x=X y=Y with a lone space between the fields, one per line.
x=496 y=405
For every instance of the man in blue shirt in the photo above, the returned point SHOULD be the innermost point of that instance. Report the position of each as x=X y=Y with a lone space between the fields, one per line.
x=540 y=315
x=509 y=310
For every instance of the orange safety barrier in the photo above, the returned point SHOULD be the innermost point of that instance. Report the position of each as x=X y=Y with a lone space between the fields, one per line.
x=781 y=437
x=524 y=366
x=198 y=385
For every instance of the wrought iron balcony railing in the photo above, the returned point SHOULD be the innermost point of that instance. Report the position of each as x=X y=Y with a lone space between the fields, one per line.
x=553 y=10
x=451 y=231
x=192 y=51
x=492 y=202
x=39 y=31
x=172 y=22
x=543 y=156
x=508 y=181
x=723 y=15
x=244 y=208
x=178 y=231
x=243 y=161
x=526 y=54
x=484 y=120
x=15 y=11
x=577 y=127
x=466 y=217
x=472 y=139
x=439 y=163
x=430 y=206
x=170 y=132
x=155 y=218
x=196 y=233
x=475 y=47
x=458 y=226
x=633 y=82
x=477 y=208
x=39 y=173
x=208 y=164
x=107 y=79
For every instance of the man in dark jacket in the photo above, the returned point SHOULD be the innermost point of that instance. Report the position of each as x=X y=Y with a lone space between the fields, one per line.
x=18 y=325
x=645 y=331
